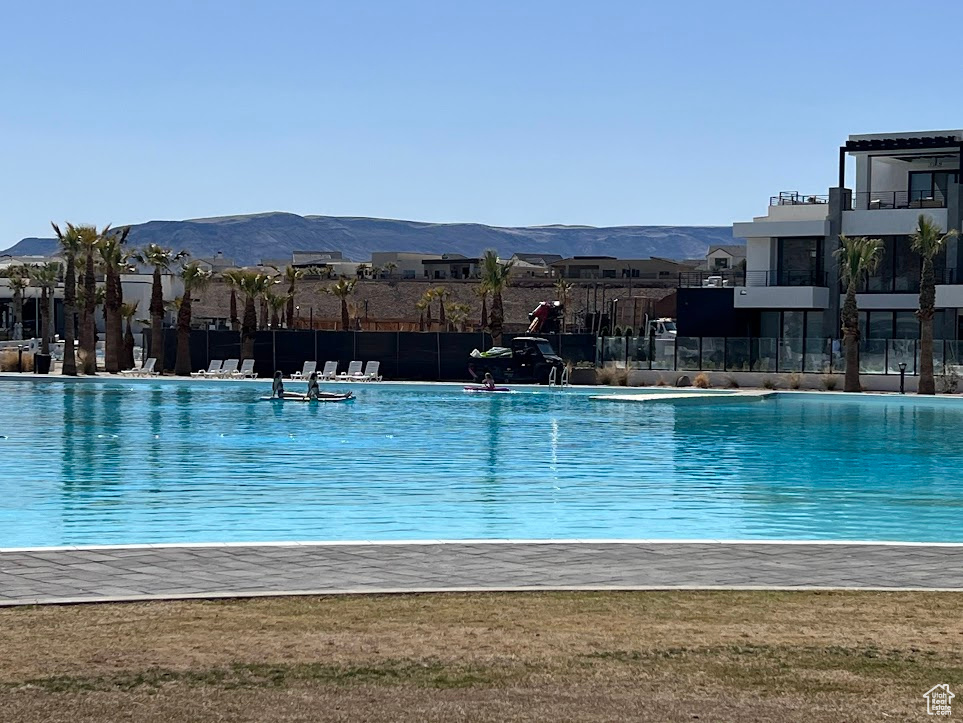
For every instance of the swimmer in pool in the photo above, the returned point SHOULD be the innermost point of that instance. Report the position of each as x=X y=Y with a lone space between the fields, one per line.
x=277 y=387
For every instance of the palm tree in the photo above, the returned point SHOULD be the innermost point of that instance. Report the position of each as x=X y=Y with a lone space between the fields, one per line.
x=233 y=281
x=858 y=257
x=494 y=278
x=90 y=244
x=127 y=312
x=425 y=303
x=457 y=314
x=441 y=293
x=421 y=305
x=483 y=293
x=114 y=258
x=195 y=278
x=390 y=268
x=71 y=243
x=253 y=284
x=46 y=277
x=161 y=259
x=343 y=288
x=277 y=305
x=563 y=289
x=928 y=240
x=292 y=276
x=18 y=278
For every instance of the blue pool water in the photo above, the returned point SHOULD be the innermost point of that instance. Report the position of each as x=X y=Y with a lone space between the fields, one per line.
x=135 y=462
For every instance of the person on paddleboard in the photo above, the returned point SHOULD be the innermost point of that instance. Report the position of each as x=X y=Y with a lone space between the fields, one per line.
x=489 y=382
x=277 y=387
x=314 y=389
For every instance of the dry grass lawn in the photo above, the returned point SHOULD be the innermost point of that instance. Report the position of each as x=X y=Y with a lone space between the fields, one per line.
x=654 y=656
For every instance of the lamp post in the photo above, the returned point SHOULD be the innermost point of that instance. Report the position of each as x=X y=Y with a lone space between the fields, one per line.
x=902 y=377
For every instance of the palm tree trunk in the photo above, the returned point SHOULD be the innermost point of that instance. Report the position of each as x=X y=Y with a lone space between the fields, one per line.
x=290 y=306
x=128 y=347
x=70 y=317
x=851 y=339
x=113 y=325
x=157 y=321
x=497 y=318
x=45 y=308
x=89 y=320
x=248 y=329
x=484 y=312
x=17 y=307
x=442 y=320
x=927 y=384
x=234 y=321
x=345 y=320
x=182 y=363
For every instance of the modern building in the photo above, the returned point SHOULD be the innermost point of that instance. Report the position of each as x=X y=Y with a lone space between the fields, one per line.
x=666 y=271
x=791 y=289
x=402 y=264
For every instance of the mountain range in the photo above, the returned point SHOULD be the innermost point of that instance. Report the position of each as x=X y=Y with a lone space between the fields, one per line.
x=248 y=239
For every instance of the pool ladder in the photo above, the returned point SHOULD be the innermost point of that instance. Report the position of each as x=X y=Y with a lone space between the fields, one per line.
x=562 y=383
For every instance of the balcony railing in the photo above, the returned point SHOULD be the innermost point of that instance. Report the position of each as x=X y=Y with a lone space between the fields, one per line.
x=786 y=278
x=794 y=198
x=722 y=279
x=878 y=200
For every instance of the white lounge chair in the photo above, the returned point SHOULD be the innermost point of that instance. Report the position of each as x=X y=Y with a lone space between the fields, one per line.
x=145 y=371
x=329 y=372
x=229 y=368
x=246 y=371
x=371 y=372
x=353 y=373
x=309 y=366
x=213 y=369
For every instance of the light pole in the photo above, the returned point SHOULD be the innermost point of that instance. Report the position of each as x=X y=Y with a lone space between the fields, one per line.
x=902 y=377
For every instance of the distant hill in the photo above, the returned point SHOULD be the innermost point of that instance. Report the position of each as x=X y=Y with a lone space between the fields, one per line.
x=247 y=239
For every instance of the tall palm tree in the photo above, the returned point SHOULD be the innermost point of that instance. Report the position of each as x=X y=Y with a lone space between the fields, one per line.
x=114 y=258
x=127 y=311
x=457 y=314
x=90 y=246
x=253 y=284
x=195 y=278
x=928 y=240
x=18 y=278
x=858 y=257
x=71 y=243
x=343 y=288
x=425 y=301
x=421 y=305
x=494 y=278
x=233 y=280
x=563 y=289
x=161 y=259
x=46 y=277
x=441 y=293
x=292 y=276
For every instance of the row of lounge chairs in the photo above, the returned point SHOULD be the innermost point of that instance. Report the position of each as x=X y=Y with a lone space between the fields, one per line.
x=145 y=371
x=228 y=370
x=355 y=373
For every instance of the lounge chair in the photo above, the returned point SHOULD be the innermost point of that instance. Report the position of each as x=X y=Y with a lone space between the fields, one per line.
x=309 y=366
x=371 y=372
x=246 y=371
x=145 y=371
x=354 y=372
x=229 y=368
x=329 y=372
x=213 y=369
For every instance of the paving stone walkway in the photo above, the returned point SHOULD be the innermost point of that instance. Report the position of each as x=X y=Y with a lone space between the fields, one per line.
x=61 y=575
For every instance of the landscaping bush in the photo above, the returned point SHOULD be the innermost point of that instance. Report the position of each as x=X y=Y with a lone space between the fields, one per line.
x=8 y=361
x=702 y=381
x=793 y=380
x=829 y=382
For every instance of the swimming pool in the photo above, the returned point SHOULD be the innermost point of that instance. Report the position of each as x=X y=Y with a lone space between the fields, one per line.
x=118 y=462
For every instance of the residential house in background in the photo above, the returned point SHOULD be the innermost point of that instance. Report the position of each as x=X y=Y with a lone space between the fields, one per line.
x=725 y=257
x=654 y=270
x=407 y=264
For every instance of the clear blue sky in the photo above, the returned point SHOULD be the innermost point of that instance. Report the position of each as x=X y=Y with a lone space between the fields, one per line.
x=505 y=112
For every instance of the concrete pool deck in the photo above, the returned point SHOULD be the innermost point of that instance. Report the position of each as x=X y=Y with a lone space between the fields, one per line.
x=31 y=576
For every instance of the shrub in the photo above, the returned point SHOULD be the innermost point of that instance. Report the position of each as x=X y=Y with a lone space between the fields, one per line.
x=769 y=383
x=732 y=382
x=8 y=361
x=612 y=376
x=661 y=382
x=702 y=381
x=793 y=380
x=948 y=382
x=829 y=382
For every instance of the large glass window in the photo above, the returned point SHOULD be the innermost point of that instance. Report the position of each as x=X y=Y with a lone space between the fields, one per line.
x=907 y=325
x=906 y=265
x=880 y=325
x=929 y=188
x=799 y=261
x=792 y=324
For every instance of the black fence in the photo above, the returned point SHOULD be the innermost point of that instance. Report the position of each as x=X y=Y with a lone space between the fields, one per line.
x=407 y=355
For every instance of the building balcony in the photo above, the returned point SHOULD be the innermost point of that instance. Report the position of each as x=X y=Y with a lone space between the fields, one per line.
x=882 y=200
x=786 y=278
x=794 y=198
x=783 y=290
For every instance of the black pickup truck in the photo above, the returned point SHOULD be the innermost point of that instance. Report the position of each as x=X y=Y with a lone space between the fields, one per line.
x=530 y=360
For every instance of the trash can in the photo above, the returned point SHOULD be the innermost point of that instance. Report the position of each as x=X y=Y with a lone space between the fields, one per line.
x=41 y=363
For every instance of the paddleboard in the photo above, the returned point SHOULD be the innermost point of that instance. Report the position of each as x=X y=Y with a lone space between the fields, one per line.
x=485 y=389
x=304 y=398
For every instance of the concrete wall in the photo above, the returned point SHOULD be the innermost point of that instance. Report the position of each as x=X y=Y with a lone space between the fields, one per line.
x=888 y=222
x=781 y=297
